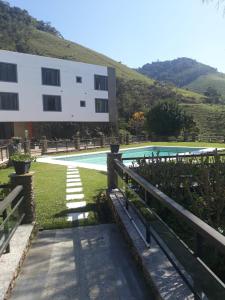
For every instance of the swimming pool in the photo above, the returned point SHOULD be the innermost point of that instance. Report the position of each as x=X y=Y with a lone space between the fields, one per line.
x=99 y=159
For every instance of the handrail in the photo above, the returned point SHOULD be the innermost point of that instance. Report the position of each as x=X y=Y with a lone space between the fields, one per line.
x=212 y=235
x=7 y=209
x=10 y=198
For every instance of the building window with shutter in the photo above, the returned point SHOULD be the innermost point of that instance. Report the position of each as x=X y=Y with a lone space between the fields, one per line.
x=101 y=83
x=8 y=72
x=50 y=77
x=52 y=103
x=101 y=106
x=9 y=101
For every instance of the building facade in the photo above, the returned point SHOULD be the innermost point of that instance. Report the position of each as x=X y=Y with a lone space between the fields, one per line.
x=37 y=90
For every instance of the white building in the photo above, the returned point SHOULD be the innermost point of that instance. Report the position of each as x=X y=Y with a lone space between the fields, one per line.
x=36 y=89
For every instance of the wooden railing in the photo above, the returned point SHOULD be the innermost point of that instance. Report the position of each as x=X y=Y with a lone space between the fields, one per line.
x=204 y=280
x=11 y=216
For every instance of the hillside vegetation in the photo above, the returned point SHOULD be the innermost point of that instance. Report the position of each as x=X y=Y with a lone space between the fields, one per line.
x=210 y=119
x=186 y=73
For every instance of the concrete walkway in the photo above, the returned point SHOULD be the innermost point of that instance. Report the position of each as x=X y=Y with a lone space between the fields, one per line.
x=80 y=263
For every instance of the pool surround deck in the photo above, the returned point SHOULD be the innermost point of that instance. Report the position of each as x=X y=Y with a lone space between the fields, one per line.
x=56 y=159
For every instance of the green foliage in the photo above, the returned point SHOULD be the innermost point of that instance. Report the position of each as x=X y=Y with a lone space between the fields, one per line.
x=166 y=118
x=16 y=27
x=212 y=96
x=22 y=157
x=198 y=184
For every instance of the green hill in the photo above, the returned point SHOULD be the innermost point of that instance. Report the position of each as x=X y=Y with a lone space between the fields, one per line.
x=186 y=73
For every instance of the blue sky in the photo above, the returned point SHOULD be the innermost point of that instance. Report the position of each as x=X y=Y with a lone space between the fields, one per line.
x=139 y=31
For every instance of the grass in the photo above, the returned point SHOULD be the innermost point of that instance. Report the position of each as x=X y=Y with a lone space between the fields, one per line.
x=50 y=194
x=209 y=118
x=214 y=80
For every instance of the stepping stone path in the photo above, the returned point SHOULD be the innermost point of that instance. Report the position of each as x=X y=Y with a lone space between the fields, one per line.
x=74 y=195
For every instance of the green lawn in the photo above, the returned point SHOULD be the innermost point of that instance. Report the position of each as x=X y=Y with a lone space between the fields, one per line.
x=50 y=194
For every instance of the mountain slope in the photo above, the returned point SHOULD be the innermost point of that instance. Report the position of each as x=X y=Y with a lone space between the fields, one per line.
x=215 y=80
x=186 y=73
x=43 y=43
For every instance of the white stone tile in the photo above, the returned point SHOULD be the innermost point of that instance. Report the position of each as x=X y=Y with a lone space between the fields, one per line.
x=73 y=176
x=72 y=184
x=74 y=197
x=79 y=204
x=74 y=190
x=77 y=216
x=72 y=172
x=73 y=180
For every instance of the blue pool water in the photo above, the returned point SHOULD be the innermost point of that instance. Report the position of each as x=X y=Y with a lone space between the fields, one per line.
x=100 y=158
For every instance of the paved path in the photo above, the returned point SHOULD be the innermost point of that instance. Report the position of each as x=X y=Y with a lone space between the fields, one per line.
x=75 y=195
x=80 y=263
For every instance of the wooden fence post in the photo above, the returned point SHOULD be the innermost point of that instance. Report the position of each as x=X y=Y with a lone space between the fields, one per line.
x=112 y=176
x=77 y=141
x=44 y=145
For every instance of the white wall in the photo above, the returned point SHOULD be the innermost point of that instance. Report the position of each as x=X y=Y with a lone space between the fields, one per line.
x=30 y=89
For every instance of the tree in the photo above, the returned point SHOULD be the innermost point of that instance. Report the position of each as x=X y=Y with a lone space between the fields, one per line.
x=212 y=96
x=167 y=118
x=136 y=122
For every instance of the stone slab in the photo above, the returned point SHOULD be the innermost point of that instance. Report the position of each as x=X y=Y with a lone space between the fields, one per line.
x=74 y=190
x=72 y=184
x=83 y=263
x=10 y=262
x=72 y=172
x=72 y=205
x=73 y=180
x=77 y=216
x=74 y=197
x=73 y=176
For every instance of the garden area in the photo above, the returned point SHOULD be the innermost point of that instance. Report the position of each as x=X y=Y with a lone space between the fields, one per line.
x=50 y=195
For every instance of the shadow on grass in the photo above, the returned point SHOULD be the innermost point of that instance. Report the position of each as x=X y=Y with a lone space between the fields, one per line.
x=100 y=210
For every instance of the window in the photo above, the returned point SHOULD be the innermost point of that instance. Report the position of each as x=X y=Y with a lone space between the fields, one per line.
x=50 y=77
x=82 y=103
x=79 y=79
x=101 y=82
x=8 y=72
x=9 y=101
x=101 y=106
x=52 y=103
